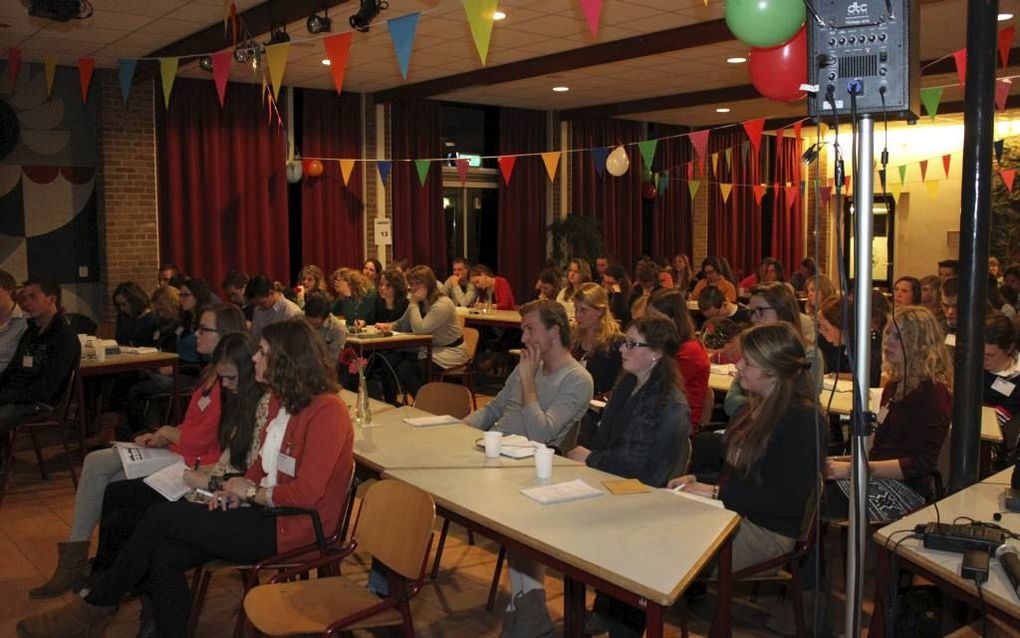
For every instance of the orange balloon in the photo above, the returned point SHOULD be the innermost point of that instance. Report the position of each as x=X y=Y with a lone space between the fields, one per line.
x=314 y=168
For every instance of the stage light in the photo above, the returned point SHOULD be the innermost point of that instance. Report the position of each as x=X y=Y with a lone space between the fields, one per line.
x=317 y=24
x=278 y=35
x=205 y=62
x=362 y=20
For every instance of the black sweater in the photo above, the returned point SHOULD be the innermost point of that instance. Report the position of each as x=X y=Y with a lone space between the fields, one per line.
x=51 y=355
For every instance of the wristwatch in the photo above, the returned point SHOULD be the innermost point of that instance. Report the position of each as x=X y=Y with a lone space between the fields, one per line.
x=250 y=493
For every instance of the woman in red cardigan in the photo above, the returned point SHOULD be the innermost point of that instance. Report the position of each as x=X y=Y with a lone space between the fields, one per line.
x=305 y=461
x=691 y=357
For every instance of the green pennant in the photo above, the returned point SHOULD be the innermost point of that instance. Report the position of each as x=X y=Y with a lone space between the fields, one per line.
x=693 y=185
x=903 y=173
x=647 y=149
x=745 y=148
x=930 y=98
x=423 y=169
x=729 y=157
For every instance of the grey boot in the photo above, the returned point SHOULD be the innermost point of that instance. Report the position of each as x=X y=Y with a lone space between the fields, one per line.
x=72 y=564
x=77 y=619
x=533 y=620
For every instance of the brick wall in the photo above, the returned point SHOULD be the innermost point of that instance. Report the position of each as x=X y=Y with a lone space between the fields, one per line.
x=129 y=233
x=699 y=218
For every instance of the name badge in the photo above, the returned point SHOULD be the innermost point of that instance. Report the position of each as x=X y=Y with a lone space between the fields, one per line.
x=287 y=464
x=884 y=412
x=179 y=331
x=27 y=361
x=203 y=403
x=1003 y=387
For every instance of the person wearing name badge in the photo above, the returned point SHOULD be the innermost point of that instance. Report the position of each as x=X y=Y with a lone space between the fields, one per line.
x=305 y=461
x=1002 y=368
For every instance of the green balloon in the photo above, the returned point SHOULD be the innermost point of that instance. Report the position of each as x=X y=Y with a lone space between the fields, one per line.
x=764 y=23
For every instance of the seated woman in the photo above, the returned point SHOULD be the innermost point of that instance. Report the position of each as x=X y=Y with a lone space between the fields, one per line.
x=194 y=438
x=391 y=302
x=166 y=309
x=907 y=292
x=836 y=313
x=691 y=358
x=428 y=312
x=1002 y=367
x=578 y=274
x=355 y=300
x=305 y=461
x=136 y=325
x=372 y=269
x=683 y=276
x=915 y=414
x=768 y=271
x=548 y=284
x=310 y=278
x=818 y=289
x=596 y=338
x=617 y=284
x=493 y=291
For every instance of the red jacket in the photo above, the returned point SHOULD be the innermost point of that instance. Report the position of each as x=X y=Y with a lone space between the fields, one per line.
x=200 y=438
x=321 y=441
x=692 y=361
x=503 y=294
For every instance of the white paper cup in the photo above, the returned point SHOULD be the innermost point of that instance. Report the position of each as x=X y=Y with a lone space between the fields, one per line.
x=493 y=440
x=544 y=462
x=83 y=339
x=100 y=351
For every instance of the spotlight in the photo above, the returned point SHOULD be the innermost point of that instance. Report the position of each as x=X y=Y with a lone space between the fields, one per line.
x=319 y=24
x=278 y=36
x=241 y=54
x=205 y=62
x=362 y=20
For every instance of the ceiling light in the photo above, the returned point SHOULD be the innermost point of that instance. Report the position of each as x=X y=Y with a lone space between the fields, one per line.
x=317 y=24
x=326 y=62
x=450 y=144
x=1005 y=16
x=722 y=109
x=561 y=89
x=499 y=15
x=205 y=62
x=278 y=35
x=362 y=20
x=736 y=60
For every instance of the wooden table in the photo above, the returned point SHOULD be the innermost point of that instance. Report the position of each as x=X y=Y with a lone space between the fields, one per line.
x=643 y=549
x=493 y=318
x=396 y=341
x=979 y=501
x=350 y=399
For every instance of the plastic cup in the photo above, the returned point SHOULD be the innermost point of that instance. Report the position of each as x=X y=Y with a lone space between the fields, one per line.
x=493 y=440
x=100 y=350
x=544 y=462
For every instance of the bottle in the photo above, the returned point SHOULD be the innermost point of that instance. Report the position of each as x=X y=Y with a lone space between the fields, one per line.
x=488 y=302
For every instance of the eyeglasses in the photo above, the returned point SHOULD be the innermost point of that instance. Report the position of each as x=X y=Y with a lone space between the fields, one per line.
x=630 y=344
x=200 y=329
x=760 y=310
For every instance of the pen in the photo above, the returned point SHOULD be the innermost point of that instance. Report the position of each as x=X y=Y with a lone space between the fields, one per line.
x=205 y=493
x=197 y=459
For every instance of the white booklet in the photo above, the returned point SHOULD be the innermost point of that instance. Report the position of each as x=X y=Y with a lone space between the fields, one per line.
x=169 y=481
x=142 y=461
x=562 y=492
x=704 y=500
x=514 y=446
x=428 y=421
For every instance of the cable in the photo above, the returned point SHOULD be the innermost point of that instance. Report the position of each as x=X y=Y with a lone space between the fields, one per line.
x=984 y=608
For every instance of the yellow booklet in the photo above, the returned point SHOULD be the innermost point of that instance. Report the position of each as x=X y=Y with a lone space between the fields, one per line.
x=626 y=486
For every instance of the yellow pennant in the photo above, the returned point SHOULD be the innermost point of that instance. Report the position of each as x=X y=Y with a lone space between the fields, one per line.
x=51 y=71
x=276 y=57
x=552 y=160
x=933 y=187
x=346 y=168
x=725 y=189
x=895 y=190
x=715 y=163
x=480 y=15
x=167 y=69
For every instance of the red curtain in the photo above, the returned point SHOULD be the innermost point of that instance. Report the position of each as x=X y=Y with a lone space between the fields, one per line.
x=614 y=201
x=787 y=218
x=332 y=214
x=419 y=224
x=735 y=226
x=522 y=203
x=672 y=217
x=222 y=185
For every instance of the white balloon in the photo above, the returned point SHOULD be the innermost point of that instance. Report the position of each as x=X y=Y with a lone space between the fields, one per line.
x=617 y=162
x=294 y=171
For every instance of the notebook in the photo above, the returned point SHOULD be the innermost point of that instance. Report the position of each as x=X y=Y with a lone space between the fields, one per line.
x=626 y=486
x=704 y=500
x=140 y=461
x=169 y=481
x=429 y=421
x=562 y=492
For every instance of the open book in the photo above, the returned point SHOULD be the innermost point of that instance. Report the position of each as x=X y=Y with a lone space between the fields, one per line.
x=562 y=492
x=142 y=461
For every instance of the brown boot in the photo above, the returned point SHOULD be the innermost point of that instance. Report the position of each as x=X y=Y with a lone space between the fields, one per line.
x=77 y=619
x=72 y=564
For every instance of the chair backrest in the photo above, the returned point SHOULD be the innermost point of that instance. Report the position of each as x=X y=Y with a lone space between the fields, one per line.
x=682 y=459
x=470 y=336
x=395 y=526
x=81 y=324
x=569 y=440
x=444 y=398
x=807 y=524
x=707 y=406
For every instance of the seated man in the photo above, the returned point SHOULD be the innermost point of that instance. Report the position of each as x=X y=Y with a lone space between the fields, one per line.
x=950 y=295
x=458 y=287
x=712 y=303
x=12 y=320
x=47 y=353
x=330 y=328
x=491 y=288
x=233 y=287
x=948 y=268
x=170 y=275
x=1002 y=367
x=270 y=305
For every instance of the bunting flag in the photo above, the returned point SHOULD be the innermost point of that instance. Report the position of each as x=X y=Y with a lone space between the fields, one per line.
x=552 y=161
x=699 y=140
x=506 y=166
x=933 y=188
x=792 y=192
x=998 y=145
x=796 y=129
x=1007 y=178
x=338 y=48
x=126 y=73
x=221 y=72
x=598 y=158
x=50 y=69
x=1002 y=88
x=168 y=71
x=725 y=190
x=715 y=164
x=402 y=31
x=462 y=170
x=1005 y=40
x=881 y=178
x=480 y=16
x=759 y=192
x=946 y=159
x=346 y=168
x=728 y=156
x=663 y=182
x=647 y=149
x=924 y=168
x=384 y=166
x=754 y=129
x=903 y=172
x=690 y=170
x=961 y=65
x=13 y=64
x=85 y=68
x=895 y=190
x=592 y=9
x=930 y=98
x=423 y=166
x=692 y=186
x=824 y=194
x=276 y=58
x=848 y=184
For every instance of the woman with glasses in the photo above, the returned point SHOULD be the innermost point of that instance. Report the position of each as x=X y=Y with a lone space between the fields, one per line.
x=194 y=438
x=712 y=268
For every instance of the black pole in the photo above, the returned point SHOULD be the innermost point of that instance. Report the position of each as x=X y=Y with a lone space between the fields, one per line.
x=975 y=212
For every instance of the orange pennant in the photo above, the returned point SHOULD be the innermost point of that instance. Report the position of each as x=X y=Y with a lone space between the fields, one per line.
x=506 y=166
x=1007 y=178
x=759 y=192
x=725 y=189
x=552 y=161
x=946 y=159
x=346 y=168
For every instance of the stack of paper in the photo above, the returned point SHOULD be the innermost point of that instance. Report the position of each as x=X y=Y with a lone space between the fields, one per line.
x=842 y=385
x=169 y=481
x=698 y=498
x=516 y=446
x=140 y=461
x=138 y=350
x=724 y=368
x=428 y=421
x=562 y=492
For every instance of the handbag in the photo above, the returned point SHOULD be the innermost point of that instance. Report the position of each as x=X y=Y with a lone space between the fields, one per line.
x=888 y=499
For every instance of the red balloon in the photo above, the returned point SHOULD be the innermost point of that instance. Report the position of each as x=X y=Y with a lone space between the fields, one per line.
x=777 y=72
x=314 y=168
x=649 y=191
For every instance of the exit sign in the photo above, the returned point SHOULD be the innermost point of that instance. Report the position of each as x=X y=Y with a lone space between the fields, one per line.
x=474 y=161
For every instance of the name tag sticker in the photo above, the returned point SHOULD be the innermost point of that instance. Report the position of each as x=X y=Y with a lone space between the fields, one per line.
x=203 y=403
x=287 y=464
x=884 y=412
x=1003 y=387
x=27 y=361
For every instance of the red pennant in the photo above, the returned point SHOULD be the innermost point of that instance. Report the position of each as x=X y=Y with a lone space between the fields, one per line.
x=1002 y=88
x=759 y=192
x=338 y=47
x=848 y=184
x=924 y=169
x=754 y=129
x=221 y=72
x=1005 y=40
x=1007 y=177
x=699 y=140
x=824 y=193
x=85 y=68
x=961 y=65
x=792 y=192
x=690 y=171
x=796 y=130
x=701 y=166
x=13 y=64
x=506 y=166
x=462 y=171
x=946 y=159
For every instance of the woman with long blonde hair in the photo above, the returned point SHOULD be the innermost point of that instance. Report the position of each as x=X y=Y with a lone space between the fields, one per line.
x=596 y=337
x=355 y=297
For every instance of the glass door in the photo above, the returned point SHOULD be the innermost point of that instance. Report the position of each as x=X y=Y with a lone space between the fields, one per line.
x=472 y=217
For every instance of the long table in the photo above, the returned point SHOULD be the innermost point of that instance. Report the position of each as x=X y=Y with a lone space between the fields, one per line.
x=493 y=318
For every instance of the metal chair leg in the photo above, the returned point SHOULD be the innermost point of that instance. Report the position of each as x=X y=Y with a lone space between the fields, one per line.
x=439 y=548
x=494 y=587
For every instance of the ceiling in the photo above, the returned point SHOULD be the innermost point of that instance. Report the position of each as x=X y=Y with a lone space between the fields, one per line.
x=443 y=47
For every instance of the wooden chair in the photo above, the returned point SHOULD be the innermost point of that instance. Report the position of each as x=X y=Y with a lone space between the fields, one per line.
x=6 y=461
x=394 y=527
x=57 y=418
x=445 y=398
x=465 y=372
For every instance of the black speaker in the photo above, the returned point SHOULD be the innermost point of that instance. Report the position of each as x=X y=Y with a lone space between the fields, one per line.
x=874 y=44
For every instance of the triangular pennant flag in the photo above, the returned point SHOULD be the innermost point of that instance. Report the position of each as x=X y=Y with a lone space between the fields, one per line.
x=692 y=186
x=276 y=58
x=961 y=65
x=346 y=168
x=663 y=182
x=168 y=71
x=1007 y=178
x=384 y=166
x=931 y=97
x=796 y=130
x=480 y=16
x=701 y=166
x=1002 y=88
x=759 y=192
x=903 y=173
x=699 y=140
x=848 y=185
x=598 y=157
x=50 y=68
x=933 y=187
x=792 y=192
x=462 y=170
x=647 y=149
x=946 y=159
x=690 y=170
x=226 y=13
x=220 y=72
x=1005 y=40
x=895 y=190
x=745 y=150
x=725 y=190
x=13 y=64
x=338 y=47
x=715 y=163
x=85 y=68
x=506 y=166
x=126 y=73
x=728 y=154
x=754 y=129
x=882 y=178
x=551 y=160
x=998 y=145
x=924 y=168
x=824 y=194
x=423 y=169
x=402 y=33
x=592 y=9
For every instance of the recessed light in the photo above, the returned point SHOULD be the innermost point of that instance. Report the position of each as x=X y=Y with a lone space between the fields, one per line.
x=1005 y=16
x=561 y=89
x=722 y=109
x=449 y=144
x=326 y=61
x=736 y=60
x=498 y=15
